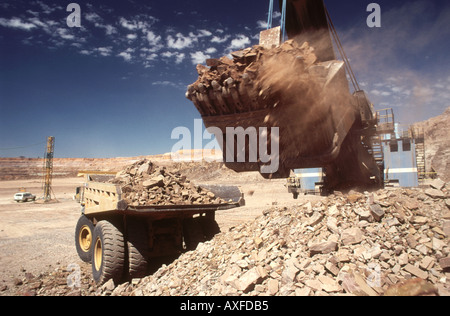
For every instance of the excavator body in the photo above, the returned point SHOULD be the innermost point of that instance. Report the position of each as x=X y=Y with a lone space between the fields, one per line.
x=299 y=87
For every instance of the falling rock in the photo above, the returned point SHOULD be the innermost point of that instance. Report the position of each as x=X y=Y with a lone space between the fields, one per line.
x=323 y=248
x=377 y=212
x=352 y=236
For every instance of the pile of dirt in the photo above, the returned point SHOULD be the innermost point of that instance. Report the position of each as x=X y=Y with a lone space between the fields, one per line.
x=146 y=184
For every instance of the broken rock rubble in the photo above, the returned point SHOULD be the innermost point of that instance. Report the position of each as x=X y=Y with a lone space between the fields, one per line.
x=331 y=248
x=146 y=184
x=292 y=251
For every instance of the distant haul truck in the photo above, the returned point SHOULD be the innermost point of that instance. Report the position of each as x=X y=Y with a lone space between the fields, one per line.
x=120 y=240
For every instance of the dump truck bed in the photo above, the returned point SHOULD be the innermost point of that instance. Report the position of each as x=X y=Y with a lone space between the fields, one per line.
x=101 y=198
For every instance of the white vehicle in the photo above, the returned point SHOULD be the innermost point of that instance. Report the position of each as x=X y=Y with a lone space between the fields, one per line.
x=24 y=197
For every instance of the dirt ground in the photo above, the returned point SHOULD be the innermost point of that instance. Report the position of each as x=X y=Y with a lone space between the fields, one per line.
x=37 y=238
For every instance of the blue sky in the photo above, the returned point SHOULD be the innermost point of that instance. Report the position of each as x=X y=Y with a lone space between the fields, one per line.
x=116 y=86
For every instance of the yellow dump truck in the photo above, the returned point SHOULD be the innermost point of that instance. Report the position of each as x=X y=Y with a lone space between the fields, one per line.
x=120 y=240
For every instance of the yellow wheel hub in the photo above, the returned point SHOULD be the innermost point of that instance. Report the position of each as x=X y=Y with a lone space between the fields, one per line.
x=85 y=238
x=98 y=255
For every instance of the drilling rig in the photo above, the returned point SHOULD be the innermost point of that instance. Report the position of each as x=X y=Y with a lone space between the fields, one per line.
x=48 y=168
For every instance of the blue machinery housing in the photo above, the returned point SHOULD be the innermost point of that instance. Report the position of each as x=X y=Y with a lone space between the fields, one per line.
x=404 y=163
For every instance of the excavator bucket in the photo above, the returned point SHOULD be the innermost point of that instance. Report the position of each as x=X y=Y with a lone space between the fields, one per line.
x=283 y=87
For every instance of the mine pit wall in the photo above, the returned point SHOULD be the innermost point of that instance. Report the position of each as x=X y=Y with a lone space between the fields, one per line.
x=33 y=168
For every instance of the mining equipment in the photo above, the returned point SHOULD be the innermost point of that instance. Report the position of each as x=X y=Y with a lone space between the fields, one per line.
x=48 y=168
x=293 y=81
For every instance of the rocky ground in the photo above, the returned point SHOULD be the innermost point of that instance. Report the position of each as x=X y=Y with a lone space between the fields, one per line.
x=389 y=242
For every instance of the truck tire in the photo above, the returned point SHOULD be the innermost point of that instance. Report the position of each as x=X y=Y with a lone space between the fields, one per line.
x=83 y=238
x=108 y=253
x=138 y=248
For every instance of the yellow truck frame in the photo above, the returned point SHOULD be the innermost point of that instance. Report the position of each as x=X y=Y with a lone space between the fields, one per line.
x=120 y=240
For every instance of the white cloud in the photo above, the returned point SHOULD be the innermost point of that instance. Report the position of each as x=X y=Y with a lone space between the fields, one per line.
x=109 y=29
x=130 y=25
x=166 y=83
x=151 y=57
x=211 y=50
x=179 y=57
x=126 y=56
x=240 y=42
x=104 y=51
x=93 y=17
x=180 y=42
x=262 y=24
x=202 y=33
x=64 y=33
x=17 y=23
x=152 y=38
x=132 y=36
x=199 y=57
x=220 y=40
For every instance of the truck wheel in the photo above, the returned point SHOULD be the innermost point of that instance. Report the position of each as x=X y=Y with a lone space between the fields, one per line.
x=108 y=253
x=138 y=248
x=83 y=238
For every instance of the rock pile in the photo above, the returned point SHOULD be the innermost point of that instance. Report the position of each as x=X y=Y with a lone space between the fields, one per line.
x=389 y=242
x=393 y=242
x=146 y=184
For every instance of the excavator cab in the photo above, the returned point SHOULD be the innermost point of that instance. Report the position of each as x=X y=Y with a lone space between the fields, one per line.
x=298 y=89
